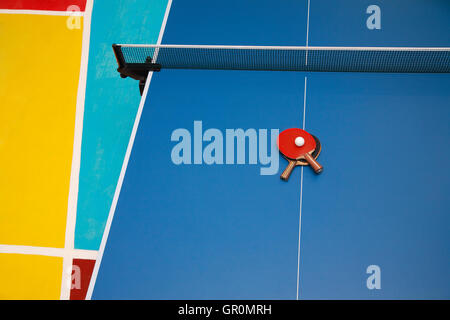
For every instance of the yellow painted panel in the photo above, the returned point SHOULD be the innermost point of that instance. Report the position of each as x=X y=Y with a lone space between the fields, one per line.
x=30 y=276
x=39 y=69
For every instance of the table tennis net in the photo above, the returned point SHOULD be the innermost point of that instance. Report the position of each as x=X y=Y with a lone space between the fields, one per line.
x=333 y=59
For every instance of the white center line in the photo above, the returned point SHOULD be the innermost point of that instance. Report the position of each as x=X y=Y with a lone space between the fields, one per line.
x=307 y=35
x=301 y=171
x=301 y=197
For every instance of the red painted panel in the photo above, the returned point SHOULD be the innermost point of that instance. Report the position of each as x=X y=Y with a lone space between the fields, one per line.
x=52 y=5
x=81 y=276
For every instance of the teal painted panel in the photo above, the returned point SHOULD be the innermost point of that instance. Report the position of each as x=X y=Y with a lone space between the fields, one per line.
x=111 y=104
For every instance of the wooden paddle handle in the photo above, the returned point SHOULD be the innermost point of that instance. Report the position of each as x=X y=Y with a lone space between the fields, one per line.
x=287 y=172
x=313 y=163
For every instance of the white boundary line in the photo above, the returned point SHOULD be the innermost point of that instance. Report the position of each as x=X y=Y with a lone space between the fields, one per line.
x=124 y=165
x=76 y=155
x=301 y=198
x=44 y=12
x=46 y=251
x=300 y=48
x=118 y=188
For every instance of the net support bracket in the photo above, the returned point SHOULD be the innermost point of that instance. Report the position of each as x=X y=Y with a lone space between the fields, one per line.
x=137 y=71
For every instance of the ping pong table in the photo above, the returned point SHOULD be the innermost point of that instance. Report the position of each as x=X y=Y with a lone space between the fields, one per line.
x=194 y=218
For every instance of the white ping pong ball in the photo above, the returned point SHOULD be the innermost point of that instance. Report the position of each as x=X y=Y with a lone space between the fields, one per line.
x=299 y=141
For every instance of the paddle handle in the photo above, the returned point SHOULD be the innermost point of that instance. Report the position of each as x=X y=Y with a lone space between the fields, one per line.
x=287 y=172
x=313 y=163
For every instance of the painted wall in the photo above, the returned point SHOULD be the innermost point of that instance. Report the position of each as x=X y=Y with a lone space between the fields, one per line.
x=65 y=121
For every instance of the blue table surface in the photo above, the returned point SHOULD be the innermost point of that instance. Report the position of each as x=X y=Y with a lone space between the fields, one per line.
x=225 y=231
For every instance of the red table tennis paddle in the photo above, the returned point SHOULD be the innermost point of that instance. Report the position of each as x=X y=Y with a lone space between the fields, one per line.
x=296 y=144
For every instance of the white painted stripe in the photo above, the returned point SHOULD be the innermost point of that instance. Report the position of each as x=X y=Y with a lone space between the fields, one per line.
x=46 y=251
x=301 y=199
x=124 y=165
x=84 y=254
x=76 y=155
x=163 y=27
x=299 y=232
x=301 y=171
x=304 y=104
x=118 y=188
x=43 y=12
x=307 y=34
x=300 y=48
